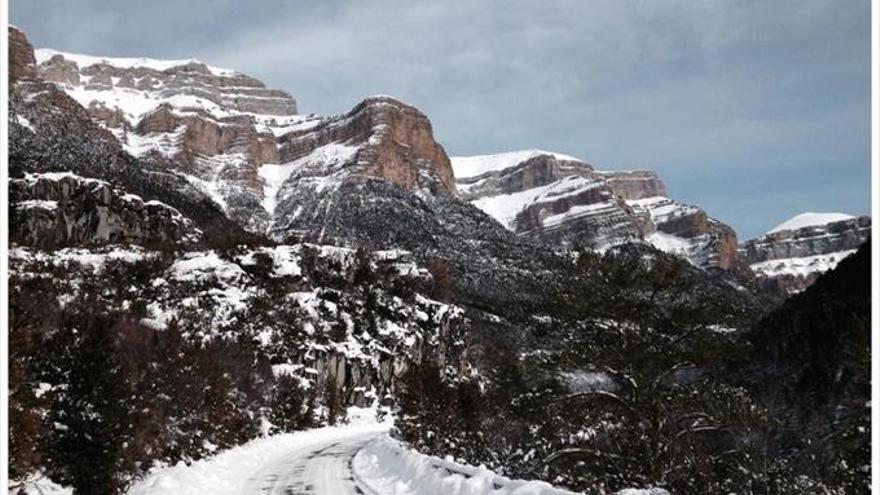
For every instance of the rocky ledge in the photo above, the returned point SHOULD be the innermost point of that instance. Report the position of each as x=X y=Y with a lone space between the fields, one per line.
x=565 y=201
x=791 y=256
x=54 y=210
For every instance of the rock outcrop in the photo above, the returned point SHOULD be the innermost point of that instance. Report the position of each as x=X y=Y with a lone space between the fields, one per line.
x=21 y=55
x=790 y=257
x=565 y=201
x=49 y=131
x=395 y=142
x=55 y=210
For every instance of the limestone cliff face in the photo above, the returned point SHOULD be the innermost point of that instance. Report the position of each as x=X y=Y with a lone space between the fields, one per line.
x=219 y=128
x=21 y=55
x=395 y=142
x=811 y=240
x=187 y=81
x=790 y=260
x=214 y=126
x=565 y=201
x=55 y=210
x=634 y=184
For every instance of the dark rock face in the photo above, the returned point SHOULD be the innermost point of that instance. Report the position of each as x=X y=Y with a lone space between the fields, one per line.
x=51 y=132
x=21 y=55
x=489 y=266
x=789 y=261
x=53 y=210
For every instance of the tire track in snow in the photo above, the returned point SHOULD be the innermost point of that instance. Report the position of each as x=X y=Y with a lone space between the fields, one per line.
x=321 y=470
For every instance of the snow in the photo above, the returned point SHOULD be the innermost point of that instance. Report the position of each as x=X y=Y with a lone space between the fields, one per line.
x=384 y=466
x=809 y=219
x=38 y=203
x=205 y=265
x=280 y=125
x=94 y=260
x=166 y=143
x=473 y=166
x=233 y=471
x=38 y=484
x=285 y=259
x=584 y=381
x=669 y=243
x=20 y=120
x=661 y=208
x=44 y=54
x=355 y=458
x=642 y=491
x=577 y=211
x=331 y=155
x=211 y=169
x=803 y=266
x=505 y=207
x=56 y=176
x=135 y=103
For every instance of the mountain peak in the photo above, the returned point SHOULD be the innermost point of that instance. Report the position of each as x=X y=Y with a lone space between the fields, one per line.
x=83 y=61
x=809 y=219
x=476 y=165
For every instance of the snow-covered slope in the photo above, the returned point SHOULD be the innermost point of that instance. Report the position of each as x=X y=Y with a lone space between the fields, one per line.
x=362 y=351
x=474 y=166
x=563 y=200
x=213 y=126
x=138 y=85
x=385 y=466
x=794 y=253
x=810 y=219
x=44 y=54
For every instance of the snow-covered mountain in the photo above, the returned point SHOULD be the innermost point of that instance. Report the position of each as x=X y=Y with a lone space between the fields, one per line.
x=273 y=171
x=194 y=265
x=564 y=200
x=213 y=126
x=793 y=254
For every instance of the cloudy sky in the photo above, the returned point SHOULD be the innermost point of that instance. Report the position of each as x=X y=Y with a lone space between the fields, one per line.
x=756 y=110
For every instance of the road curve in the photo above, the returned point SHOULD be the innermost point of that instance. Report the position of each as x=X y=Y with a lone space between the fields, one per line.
x=321 y=469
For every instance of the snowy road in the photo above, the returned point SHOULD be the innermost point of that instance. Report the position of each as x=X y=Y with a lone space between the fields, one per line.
x=323 y=461
x=323 y=469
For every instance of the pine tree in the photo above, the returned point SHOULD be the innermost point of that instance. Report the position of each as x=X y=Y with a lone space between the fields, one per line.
x=89 y=417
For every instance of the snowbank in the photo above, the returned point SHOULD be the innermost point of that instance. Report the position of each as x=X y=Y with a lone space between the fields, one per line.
x=385 y=467
x=38 y=484
x=228 y=472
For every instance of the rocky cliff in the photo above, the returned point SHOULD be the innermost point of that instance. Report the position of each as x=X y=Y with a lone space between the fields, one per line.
x=791 y=256
x=566 y=201
x=213 y=126
x=21 y=55
x=54 y=210
x=275 y=172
